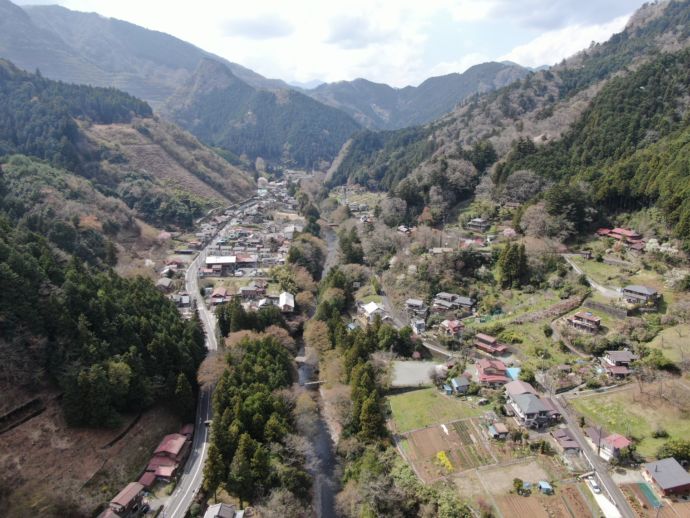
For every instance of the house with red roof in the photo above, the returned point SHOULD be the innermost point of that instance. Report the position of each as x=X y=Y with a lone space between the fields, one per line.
x=489 y=344
x=627 y=236
x=493 y=373
x=608 y=446
x=128 y=502
x=451 y=328
x=168 y=457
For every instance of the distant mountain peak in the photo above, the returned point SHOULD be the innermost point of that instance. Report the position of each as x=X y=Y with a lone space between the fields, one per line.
x=380 y=106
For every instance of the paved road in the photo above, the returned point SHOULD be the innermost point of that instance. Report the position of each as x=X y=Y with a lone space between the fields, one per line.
x=192 y=477
x=596 y=462
x=610 y=293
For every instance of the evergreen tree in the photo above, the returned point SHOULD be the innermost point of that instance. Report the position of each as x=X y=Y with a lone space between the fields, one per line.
x=213 y=470
x=371 y=422
x=184 y=398
x=240 y=482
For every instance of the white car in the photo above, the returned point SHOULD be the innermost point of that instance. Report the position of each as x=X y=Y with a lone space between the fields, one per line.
x=239 y=273
x=594 y=484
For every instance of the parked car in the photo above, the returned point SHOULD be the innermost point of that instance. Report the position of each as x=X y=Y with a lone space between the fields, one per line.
x=594 y=484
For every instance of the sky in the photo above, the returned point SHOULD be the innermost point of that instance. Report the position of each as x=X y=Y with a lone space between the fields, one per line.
x=398 y=42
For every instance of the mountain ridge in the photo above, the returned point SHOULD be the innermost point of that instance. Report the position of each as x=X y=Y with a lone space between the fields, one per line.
x=381 y=106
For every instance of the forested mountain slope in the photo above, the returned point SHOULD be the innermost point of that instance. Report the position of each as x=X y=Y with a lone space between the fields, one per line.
x=630 y=145
x=61 y=211
x=379 y=106
x=91 y=49
x=161 y=172
x=546 y=105
x=280 y=126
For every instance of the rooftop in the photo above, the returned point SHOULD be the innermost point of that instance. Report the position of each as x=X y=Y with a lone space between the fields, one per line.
x=529 y=403
x=668 y=473
x=171 y=444
x=518 y=387
x=621 y=356
x=616 y=440
x=485 y=338
x=637 y=288
x=128 y=494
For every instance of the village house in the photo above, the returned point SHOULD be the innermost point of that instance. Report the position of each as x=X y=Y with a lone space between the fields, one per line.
x=128 y=502
x=607 y=446
x=552 y=411
x=668 y=476
x=439 y=250
x=493 y=373
x=164 y=284
x=529 y=410
x=565 y=441
x=219 y=295
x=626 y=236
x=286 y=302
x=448 y=301
x=169 y=456
x=489 y=344
x=617 y=363
x=640 y=295
x=221 y=264
x=247 y=292
x=415 y=306
x=451 y=328
x=478 y=225
x=418 y=325
x=370 y=310
x=181 y=299
x=585 y=321
x=460 y=384
x=223 y=511
x=497 y=431
x=291 y=231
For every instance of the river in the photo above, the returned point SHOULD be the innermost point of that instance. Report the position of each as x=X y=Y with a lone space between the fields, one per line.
x=323 y=465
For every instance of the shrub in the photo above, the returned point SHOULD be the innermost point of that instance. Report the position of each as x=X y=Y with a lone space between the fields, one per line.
x=660 y=433
x=444 y=461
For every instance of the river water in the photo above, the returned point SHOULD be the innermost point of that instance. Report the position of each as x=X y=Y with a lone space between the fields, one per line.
x=323 y=466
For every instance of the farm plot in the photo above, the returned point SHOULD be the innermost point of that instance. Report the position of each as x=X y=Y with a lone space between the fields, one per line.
x=644 y=508
x=439 y=451
x=538 y=506
x=474 y=447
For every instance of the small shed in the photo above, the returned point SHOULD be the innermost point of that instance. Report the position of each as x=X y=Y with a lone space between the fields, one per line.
x=545 y=487
x=448 y=390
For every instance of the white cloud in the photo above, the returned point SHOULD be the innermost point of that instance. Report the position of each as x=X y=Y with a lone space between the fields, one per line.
x=382 y=40
x=263 y=27
x=459 y=66
x=551 y=47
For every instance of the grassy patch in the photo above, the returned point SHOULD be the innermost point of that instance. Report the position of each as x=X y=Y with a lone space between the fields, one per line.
x=674 y=342
x=372 y=298
x=606 y=274
x=633 y=414
x=425 y=407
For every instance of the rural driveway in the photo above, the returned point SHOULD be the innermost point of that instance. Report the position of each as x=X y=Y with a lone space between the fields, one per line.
x=610 y=293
